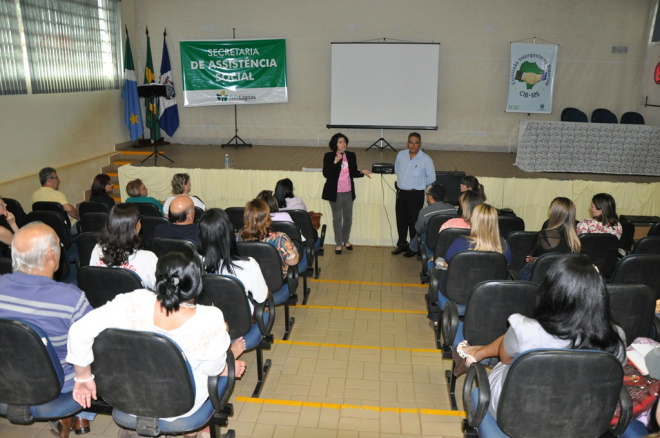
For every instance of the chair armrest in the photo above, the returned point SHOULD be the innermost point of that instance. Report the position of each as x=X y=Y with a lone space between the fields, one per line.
x=259 y=309
x=450 y=323
x=219 y=401
x=625 y=402
x=513 y=275
x=323 y=227
x=476 y=415
x=292 y=279
x=434 y=283
x=423 y=254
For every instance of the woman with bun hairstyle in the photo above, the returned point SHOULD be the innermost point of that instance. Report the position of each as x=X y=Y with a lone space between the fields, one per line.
x=339 y=169
x=471 y=184
x=200 y=331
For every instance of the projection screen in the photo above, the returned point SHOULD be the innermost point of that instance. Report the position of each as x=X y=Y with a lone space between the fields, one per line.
x=383 y=85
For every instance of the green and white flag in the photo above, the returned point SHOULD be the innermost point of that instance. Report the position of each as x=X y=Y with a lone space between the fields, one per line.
x=231 y=72
x=531 y=78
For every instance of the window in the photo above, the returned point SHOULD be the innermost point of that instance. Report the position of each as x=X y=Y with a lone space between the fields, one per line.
x=56 y=46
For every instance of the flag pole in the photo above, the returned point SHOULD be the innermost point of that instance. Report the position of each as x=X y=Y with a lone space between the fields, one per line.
x=236 y=137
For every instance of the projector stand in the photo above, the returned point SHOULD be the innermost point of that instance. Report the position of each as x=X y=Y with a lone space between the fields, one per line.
x=381 y=146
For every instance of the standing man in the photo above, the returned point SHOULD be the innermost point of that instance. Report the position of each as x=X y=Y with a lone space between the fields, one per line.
x=415 y=172
x=49 y=192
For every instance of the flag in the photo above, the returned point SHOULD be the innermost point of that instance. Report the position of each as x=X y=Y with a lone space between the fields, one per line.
x=169 y=111
x=151 y=103
x=129 y=93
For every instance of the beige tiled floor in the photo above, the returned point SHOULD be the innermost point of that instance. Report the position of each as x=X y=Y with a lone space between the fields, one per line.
x=360 y=362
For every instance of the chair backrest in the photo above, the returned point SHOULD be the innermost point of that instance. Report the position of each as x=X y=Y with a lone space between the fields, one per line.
x=633 y=308
x=445 y=239
x=632 y=118
x=227 y=293
x=93 y=221
x=602 y=249
x=291 y=230
x=163 y=245
x=17 y=210
x=627 y=235
x=31 y=372
x=468 y=268
x=92 y=207
x=639 y=269
x=86 y=243
x=520 y=243
x=543 y=264
x=5 y=265
x=148 y=209
x=269 y=261
x=573 y=115
x=236 y=217
x=149 y=224
x=560 y=383
x=304 y=223
x=655 y=230
x=509 y=224
x=102 y=284
x=158 y=384
x=647 y=245
x=602 y=115
x=199 y=212
x=54 y=220
x=433 y=228
x=489 y=306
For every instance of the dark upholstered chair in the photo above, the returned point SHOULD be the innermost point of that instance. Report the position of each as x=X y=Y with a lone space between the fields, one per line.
x=228 y=294
x=632 y=118
x=305 y=268
x=92 y=207
x=520 y=243
x=509 y=224
x=633 y=308
x=5 y=265
x=432 y=234
x=148 y=209
x=487 y=310
x=627 y=235
x=283 y=290
x=63 y=230
x=647 y=245
x=158 y=385
x=32 y=377
x=573 y=115
x=602 y=115
x=163 y=245
x=17 y=210
x=93 y=221
x=149 y=224
x=543 y=265
x=543 y=393
x=313 y=240
x=639 y=269
x=602 y=249
x=102 y=284
x=86 y=243
x=236 y=217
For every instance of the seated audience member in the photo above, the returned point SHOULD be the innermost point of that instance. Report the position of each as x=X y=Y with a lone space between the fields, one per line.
x=119 y=245
x=603 y=217
x=182 y=218
x=484 y=236
x=286 y=200
x=30 y=294
x=49 y=192
x=181 y=186
x=257 y=228
x=573 y=312
x=8 y=225
x=101 y=187
x=217 y=246
x=275 y=214
x=468 y=201
x=200 y=331
x=560 y=235
x=471 y=184
x=138 y=193
x=435 y=197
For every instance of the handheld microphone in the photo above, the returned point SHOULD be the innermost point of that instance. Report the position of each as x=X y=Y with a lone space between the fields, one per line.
x=341 y=152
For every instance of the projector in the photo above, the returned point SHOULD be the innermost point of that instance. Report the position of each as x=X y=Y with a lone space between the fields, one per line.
x=387 y=168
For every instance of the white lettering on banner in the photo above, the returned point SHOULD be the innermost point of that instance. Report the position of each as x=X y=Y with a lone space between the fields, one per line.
x=194 y=65
x=233 y=77
x=249 y=51
x=241 y=63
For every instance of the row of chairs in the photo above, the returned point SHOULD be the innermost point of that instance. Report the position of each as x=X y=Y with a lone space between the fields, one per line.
x=601 y=115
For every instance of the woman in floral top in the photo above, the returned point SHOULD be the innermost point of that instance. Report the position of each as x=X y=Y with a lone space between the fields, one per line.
x=257 y=228
x=603 y=217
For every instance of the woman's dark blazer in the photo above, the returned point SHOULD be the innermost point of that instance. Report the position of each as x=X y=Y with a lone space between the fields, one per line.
x=331 y=172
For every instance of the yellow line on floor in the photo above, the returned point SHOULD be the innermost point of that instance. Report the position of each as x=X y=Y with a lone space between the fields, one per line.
x=363 y=347
x=363 y=309
x=338 y=406
x=371 y=283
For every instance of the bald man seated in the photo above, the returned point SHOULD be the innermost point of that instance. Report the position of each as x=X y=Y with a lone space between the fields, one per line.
x=30 y=294
x=182 y=218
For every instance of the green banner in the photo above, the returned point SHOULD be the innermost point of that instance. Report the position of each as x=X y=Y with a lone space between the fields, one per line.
x=230 y=72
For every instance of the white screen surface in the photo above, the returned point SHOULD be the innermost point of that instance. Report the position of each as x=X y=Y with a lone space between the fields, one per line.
x=384 y=85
